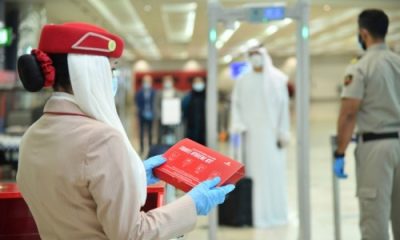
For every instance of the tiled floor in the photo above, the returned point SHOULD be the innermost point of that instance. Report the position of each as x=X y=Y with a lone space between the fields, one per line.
x=323 y=125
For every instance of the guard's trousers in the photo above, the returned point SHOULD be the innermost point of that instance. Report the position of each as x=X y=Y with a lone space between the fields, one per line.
x=378 y=188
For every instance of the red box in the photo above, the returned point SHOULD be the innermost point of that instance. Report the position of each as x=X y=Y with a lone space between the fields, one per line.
x=16 y=220
x=189 y=163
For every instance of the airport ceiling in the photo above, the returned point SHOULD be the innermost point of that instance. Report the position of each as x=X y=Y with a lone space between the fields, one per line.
x=177 y=29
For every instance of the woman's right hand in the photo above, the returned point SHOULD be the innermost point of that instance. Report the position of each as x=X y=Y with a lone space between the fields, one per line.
x=206 y=195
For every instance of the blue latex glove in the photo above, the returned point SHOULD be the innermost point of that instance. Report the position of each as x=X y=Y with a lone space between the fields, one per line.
x=236 y=140
x=338 y=168
x=207 y=196
x=151 y=163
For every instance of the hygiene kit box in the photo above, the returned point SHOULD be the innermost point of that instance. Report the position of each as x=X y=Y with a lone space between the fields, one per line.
x=189 y=163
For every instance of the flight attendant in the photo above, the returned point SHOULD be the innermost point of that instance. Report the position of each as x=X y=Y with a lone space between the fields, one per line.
x=78 y=172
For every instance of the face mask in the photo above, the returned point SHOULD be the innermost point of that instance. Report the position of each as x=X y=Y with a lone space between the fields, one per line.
x=146 y=85
x=168 y=85
x=361 y=42
x=114 y=85
x=198 y=86
x=256 y=60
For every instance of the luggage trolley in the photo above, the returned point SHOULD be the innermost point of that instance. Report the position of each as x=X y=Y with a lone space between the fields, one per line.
x=336 y=191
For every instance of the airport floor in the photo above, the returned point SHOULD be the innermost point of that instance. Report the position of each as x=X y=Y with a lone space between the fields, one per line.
x=322 y=125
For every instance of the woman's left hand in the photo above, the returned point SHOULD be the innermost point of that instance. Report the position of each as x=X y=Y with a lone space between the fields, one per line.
x=151 y=163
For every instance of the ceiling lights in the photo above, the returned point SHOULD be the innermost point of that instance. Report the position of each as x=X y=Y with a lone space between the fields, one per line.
x=128 y=24
x=226 y=35
x=179 y=20
x=219 y=44
x=287 y=21
x=322 y=24
x=317 y=26
x=271 y=30
x=252 y=43
x=228 y=59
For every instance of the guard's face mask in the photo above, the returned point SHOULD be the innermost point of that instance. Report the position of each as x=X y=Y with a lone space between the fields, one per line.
x=361 y=42
x=256 y=60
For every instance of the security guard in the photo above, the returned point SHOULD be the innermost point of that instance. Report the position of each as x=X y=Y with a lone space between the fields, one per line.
x=371 y=98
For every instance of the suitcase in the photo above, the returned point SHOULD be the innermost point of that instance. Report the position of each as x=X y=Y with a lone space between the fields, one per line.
x=166 y=141
x=237 y=209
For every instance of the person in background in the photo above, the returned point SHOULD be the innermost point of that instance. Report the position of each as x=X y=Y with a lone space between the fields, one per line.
x=371 y=100
x=260 y=111
x=168 y=91
x=78 y=171
x=144 y=100
x=194 y=111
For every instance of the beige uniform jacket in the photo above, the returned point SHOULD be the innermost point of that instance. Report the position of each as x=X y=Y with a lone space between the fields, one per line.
x=75 y=174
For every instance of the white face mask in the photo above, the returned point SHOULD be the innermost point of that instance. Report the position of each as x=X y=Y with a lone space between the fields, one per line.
x=198 y=86
x=256 y=60
x=168 y=85
x=146 y=85
x=114 y=85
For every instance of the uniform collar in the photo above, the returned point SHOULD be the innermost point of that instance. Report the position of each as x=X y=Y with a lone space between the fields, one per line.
x=379 y=46
x=62 y=105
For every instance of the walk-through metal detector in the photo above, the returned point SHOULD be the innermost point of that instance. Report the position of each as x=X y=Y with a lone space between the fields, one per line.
x=256 y=14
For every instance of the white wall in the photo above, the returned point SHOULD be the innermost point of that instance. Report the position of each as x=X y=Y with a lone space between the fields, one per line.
x=327 y=73
x=225 y=82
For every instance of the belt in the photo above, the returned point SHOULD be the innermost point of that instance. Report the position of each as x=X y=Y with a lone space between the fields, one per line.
x=366 y=137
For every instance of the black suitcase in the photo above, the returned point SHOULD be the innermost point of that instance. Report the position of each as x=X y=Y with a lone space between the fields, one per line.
x=237 y=209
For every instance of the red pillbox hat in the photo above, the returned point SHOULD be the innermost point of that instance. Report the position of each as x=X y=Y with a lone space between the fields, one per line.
x=80 y=38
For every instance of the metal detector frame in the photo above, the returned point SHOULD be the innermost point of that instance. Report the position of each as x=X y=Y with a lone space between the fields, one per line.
x=300 y=13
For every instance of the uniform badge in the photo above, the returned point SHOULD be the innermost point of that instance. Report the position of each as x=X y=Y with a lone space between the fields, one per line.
x=348 y=80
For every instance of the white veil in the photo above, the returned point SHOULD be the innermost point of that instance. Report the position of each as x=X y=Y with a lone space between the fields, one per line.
x=91 y=81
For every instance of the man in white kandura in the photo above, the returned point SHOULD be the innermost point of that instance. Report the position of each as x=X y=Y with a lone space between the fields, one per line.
x=260 y=110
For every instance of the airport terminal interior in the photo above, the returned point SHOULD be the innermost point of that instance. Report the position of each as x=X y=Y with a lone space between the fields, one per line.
x=191 y=54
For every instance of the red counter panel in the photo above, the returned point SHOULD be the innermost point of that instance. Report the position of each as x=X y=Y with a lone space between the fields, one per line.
x=16 y=221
